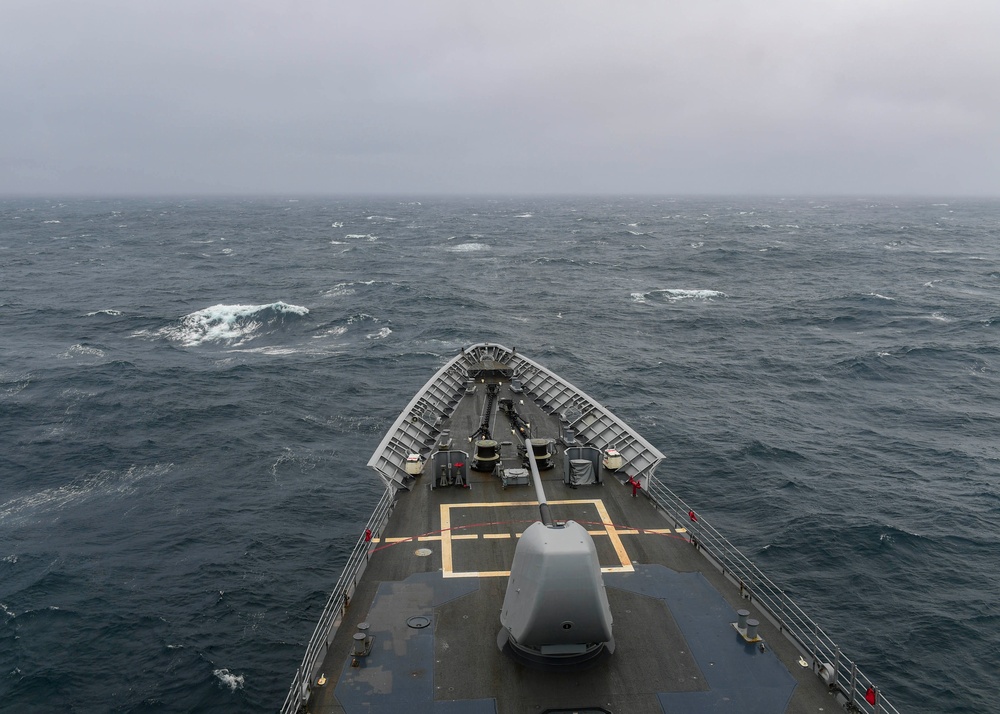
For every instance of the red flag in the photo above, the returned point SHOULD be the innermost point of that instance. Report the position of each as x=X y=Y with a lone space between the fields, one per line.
x=870 y=695
x=368 y=535
x=692 y=516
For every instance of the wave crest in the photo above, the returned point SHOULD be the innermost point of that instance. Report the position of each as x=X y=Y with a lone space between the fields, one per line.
x=677 y=294
x=230 y=324
x=233 y=681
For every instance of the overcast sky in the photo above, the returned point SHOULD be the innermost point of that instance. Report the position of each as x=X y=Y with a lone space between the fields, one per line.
x=460 y=96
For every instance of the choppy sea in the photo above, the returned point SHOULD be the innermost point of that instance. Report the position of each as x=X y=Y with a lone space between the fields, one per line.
x=190 y=390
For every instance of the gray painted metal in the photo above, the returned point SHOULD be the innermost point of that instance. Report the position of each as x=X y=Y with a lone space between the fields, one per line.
x=434 y=410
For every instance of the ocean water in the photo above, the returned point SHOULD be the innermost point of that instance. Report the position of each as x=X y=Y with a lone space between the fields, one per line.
x=190 y=390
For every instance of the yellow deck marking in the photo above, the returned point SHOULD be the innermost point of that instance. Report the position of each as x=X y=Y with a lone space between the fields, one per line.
x=447 y=565
x=616 y=542
x=445 y=542
x=508 y=536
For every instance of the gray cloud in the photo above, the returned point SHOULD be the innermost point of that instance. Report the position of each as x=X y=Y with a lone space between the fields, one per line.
x=449 y=96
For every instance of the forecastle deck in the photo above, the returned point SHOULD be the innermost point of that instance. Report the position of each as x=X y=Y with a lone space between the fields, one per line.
x=418 y=631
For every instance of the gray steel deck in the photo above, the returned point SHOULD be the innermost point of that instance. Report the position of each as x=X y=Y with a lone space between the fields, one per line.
x=677 y=650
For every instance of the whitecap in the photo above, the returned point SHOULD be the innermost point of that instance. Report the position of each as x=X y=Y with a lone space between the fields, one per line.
x=337 y=224
x=106 y=484
x=467 y=247
x=674 y=294
x=380 y=335
x=361 y=236
x=112 y=313
x=525 y=215
x=82 y=350
x=233 y=681
x=639 y=297
x=51 y=221
x=881 y=297
x=227 y=324
x=270 y=350
x=340 y=289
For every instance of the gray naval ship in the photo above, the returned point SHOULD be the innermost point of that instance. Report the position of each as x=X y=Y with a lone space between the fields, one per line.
x=525 y=557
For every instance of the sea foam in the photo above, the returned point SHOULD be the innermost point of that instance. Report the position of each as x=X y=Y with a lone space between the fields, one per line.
x=233 y=681
x=676 y=294
x=228 y=324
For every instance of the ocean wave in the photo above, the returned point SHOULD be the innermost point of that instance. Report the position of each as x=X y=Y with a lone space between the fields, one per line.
x=106 y=484
x=111 y=313
x=676 y=294
x=229 y=324
x=230 y=680
x=82 y=351
x=348 y=288
x=467 y=248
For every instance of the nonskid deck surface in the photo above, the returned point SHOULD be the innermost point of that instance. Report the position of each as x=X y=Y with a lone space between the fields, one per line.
x=432 y=593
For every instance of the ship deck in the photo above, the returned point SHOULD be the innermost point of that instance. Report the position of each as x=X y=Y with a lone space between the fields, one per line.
x=432 y=592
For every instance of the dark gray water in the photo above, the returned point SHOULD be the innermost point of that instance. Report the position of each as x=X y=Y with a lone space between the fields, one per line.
x=189 y=391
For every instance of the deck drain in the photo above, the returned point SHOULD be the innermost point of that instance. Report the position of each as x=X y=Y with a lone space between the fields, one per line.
x=422 y=552
x=418 y=622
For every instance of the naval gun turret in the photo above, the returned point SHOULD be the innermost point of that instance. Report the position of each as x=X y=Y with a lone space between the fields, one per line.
x=555 y=613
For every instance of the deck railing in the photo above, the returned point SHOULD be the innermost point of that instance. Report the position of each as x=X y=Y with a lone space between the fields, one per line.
x=336 y=606
x=825 y=657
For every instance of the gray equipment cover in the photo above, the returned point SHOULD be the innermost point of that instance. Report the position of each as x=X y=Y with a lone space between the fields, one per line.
x=581 y=472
